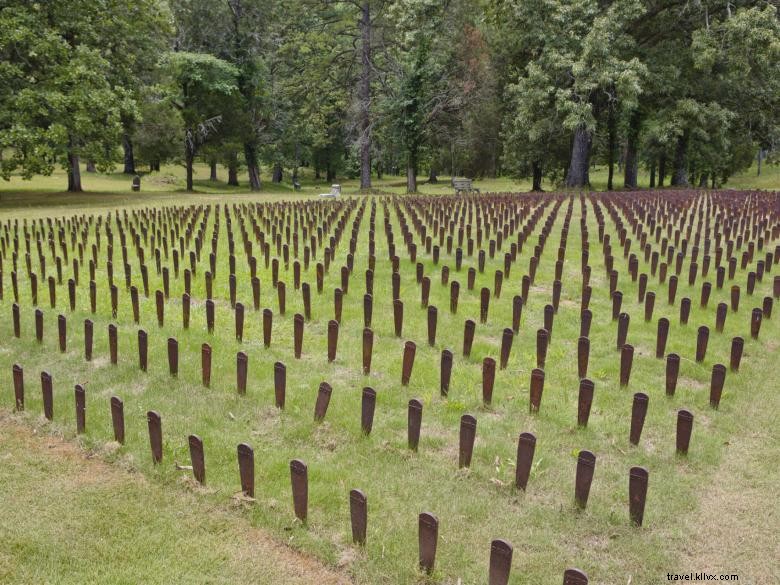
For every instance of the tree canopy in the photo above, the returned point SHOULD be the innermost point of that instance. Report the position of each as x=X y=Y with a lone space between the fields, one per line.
x=688 y=90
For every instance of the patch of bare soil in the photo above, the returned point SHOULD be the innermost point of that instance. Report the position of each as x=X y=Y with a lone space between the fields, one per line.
x=736 y=528
x=256 y=547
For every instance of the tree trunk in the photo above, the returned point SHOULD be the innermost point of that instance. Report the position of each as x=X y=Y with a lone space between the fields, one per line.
x=661 y=170
x=189 y=159
x=74 y=173
x=411 y=174
x=252 y=168
x=154 y=166
x=760 y=157
x=91 y=166
x=317 y=174
x=714 y=181
x=364 y=95
x=432 y=176
x=578 y=173
x=536 y=167
x=129 y=158
x=379 y=171
x=330 y=174
x=233 y=174
x=703 y=180
x=213 y=171
x=611 y=149
x=632 y=163
x=680 y=176
x=277 y=174
x=652 y=175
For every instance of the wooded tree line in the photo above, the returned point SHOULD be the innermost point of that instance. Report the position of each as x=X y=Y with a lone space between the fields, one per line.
x=687 y=89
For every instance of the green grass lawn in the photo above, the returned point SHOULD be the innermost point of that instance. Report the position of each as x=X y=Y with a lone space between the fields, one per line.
x=474 y=506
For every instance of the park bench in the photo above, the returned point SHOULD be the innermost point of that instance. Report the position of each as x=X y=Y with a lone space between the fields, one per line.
x=335 y=191
x=463 y=186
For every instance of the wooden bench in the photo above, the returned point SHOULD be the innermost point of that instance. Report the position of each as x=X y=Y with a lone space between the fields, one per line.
x=463 y=186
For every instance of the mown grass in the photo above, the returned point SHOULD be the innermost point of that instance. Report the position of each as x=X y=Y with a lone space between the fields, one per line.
x=473 y=506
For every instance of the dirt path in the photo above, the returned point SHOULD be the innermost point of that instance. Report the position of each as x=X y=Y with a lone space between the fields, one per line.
x=737 y=527
x=72 y=519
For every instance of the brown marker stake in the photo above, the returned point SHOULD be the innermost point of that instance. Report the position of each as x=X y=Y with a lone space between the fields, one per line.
x=185 y=311
x=39 y=325
x=484 y=304
x=734 y=298
x=663 y=335
x=72 y=293
x=368 y=405
x=767 y=307
x=368 y=349
x=584 y=401
x=574 y=577
x=242 y=367
x=756 y=316
x=143 y=347
x=88 y=332
x=716 y=384
x=323 y=399
x=454 y=293
x=638 y=414
x=549 y=315
x=684 y=429
x=118 y=419
x=672 y=371
x=637 y=494
x=114 y=300
x=542 y=340
x=720 y=317
x=398 y=316
x=626 y=360
x=62 y=329
x=583 y=355
x=298 y=335
x=18 y=375
x=239 y=316
x=446 y=372
x=246 y=469
x=299 y=478
x=205 y=364
x=586 y=465
x=155 y=435
x=428 y=538
x=197 y=459
x=586 y=317
x=517 y=312
x=500 y=562
x=280 y=384
x=47 y=393
x=488 y=379
x=333 y=339
x=256 y=293
x=134 y=303
x=368 y=310
x=160 y=308
x=358 y=512
x=53 y=292
x=506 y=346
x=468 y=337
x=92 y=297
x=587 y=292
x=617 y=303
x=702 y=338
x=432 y=321
x=268 y=317
x=649 y=305
x=685 y=310
x=408 y=362
x=537 y=387
x=414 y=423
x=210 y=314
x=622 y=330
x=526 y=445
x=468 y=431
x=737 y=345
x=706 y=290
x=173 y=356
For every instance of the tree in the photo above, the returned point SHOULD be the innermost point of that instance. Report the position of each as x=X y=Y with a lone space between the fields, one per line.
x=57 y=100
x=203 y=89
